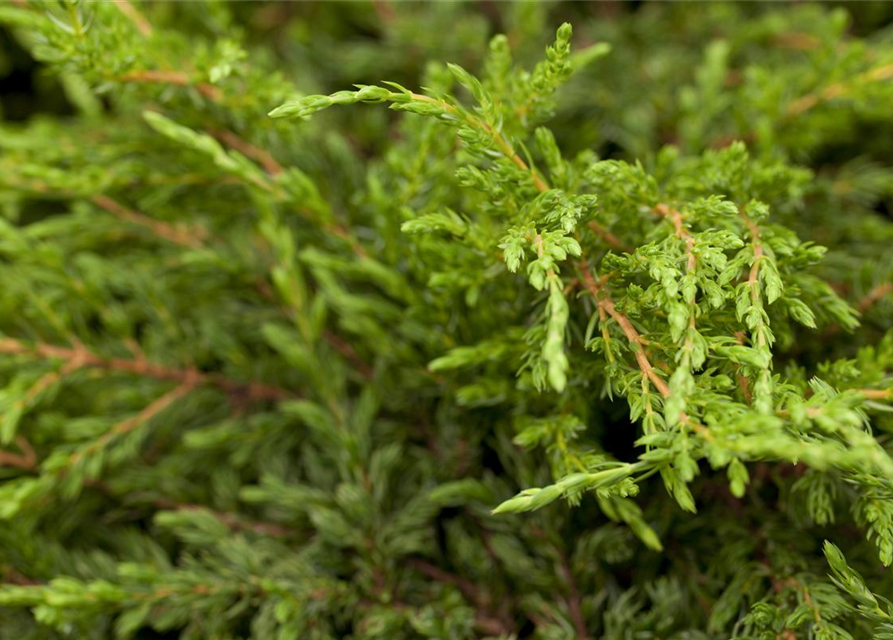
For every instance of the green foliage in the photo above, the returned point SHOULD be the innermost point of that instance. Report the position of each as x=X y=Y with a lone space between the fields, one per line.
x=590 y=345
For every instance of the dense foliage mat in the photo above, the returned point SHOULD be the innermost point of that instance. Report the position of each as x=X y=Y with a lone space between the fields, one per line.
x=595 y=344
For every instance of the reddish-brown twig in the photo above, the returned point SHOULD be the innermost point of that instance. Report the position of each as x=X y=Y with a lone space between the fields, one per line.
x=609 y=237
x=187 y=237
x=753 y=278
x=874 y=296
x=128 y=425
x=674 y=216
x=26 y=460
x=876 y=394
x=486 y=621
x=234 y=521
x=573 y=598
x=177 y=78
x=133 y=14
x=838 y=89
x=261 y=156
x=603 y=301
x=254 y=391
x=691 y=260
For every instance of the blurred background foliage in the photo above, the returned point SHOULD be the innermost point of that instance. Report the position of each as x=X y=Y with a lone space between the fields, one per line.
x=674 y=77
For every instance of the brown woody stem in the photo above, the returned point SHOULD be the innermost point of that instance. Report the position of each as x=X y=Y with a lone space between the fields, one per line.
x=254 y=391
x=192 y=238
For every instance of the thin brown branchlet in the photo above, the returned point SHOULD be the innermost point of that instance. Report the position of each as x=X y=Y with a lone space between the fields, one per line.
x=79 y=356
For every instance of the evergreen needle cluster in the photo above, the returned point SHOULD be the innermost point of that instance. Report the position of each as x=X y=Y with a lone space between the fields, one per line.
x=595 y=344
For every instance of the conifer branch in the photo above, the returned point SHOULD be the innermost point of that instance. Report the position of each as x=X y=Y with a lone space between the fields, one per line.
x=753 y=278
x=11 y=575
x=261 y=156
x=234 y=521
x=874 y=296
x=674 y=216
x=604 y=301
x=46 y=381
x=690 y=264
x=385 y=11
x=876 y=394
x=758 y=320
x=192 y=238
x=134 y=15
x=573 y=597
x=126 y=426
x=175 y=78
x=497 y=137
x=26 y=460
x=798 y=40
x=779 y=585
x=345 y=349
x=743 y=381
x=839 y=89
x=602 y=298
x=392 y=468
x=608 y=237
x=486 y=621
x=81 y=357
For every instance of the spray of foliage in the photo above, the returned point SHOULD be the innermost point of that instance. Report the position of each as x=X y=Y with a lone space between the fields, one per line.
x=594 y=346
